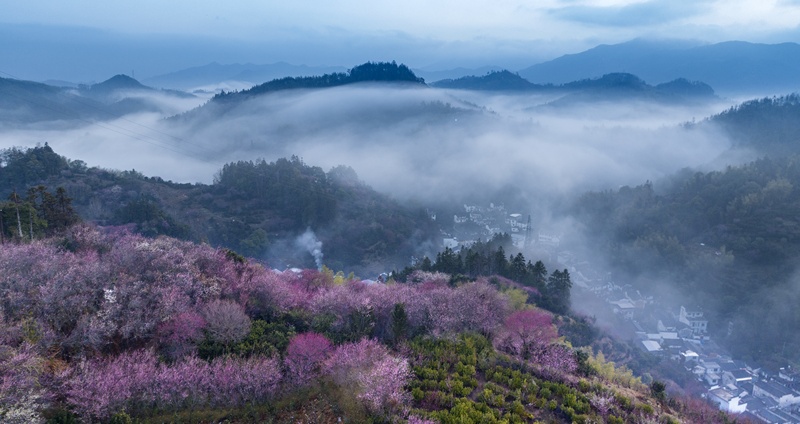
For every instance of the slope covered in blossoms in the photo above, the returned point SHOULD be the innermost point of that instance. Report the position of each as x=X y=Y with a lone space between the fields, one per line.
x=112 y=327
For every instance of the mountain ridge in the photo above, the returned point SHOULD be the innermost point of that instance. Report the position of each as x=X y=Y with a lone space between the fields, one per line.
x=730 y=67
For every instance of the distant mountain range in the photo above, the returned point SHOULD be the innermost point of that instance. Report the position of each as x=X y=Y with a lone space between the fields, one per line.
x=26 y=102
x=730 y=67
x=614 y=86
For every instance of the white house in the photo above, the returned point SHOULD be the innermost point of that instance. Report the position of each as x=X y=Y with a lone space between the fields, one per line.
x=694 y=319
x=736 y=377
x=728 y=401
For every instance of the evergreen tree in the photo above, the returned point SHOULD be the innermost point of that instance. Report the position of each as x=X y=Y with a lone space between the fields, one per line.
x=399 y=322
x=557 y=294
x=538 y=275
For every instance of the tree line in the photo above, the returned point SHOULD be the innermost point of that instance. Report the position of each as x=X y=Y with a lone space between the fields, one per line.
x=489 y=258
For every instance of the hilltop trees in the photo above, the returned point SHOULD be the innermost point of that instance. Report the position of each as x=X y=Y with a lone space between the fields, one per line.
x=557 y=291
x=38 y=214
x=552 y=291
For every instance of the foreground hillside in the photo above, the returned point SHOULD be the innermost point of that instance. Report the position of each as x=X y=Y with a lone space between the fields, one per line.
x=113 y=327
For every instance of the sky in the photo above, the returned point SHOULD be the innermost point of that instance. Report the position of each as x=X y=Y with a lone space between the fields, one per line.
x=89 y=39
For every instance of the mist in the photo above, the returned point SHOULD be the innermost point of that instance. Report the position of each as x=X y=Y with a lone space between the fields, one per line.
x=412 y=143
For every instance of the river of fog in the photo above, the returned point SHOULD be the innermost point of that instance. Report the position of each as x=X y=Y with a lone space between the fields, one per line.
x=418 y=143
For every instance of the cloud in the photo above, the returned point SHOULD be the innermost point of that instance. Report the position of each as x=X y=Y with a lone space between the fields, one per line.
x=644 y=14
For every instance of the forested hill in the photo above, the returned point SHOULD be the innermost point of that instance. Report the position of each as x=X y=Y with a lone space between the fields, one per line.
x=256 y=208
x=614 y=86
x=730 y=240
x=769 y=125
x=493 y=81
x=368 y=72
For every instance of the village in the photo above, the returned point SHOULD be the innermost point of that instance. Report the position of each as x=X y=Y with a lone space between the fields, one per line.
x=675 y=332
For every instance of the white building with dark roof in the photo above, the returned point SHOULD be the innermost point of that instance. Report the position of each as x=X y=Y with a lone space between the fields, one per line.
x=781 y=394
x=727 y=400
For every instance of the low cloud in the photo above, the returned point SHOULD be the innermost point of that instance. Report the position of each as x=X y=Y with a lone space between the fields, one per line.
x=640 y=14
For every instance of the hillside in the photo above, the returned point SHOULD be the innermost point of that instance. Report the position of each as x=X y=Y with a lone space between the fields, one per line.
x=727 y=240
x=730 y=67
x=255 y=208
x=770 y=126
x=111 y=327
x=25 y=102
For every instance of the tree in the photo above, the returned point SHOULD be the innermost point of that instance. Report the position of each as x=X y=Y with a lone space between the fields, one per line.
x=517 y=269
x=499 y=262
x=527 y=333
x=304 y=356
x=399 y=322
x=557 y=292
x=226 y=321
x=538 y=276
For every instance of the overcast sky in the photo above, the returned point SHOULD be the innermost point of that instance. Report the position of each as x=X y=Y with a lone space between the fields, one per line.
x=83 y=38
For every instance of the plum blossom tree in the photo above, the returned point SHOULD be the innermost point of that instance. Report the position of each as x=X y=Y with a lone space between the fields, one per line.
x=304 y=356
x=136 y=382
x=181 y=333
x=22 y=396
x=377 y=377
x=526 y=333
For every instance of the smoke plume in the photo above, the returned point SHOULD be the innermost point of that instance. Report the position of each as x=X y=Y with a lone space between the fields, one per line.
x=309 y=241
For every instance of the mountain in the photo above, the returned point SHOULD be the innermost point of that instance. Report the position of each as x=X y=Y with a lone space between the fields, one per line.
x=431 y=74
x=609 y=87
x=729 y=67
x=215 y=73
x=623 y=86
x=502 y=80
x=27 y=102
x=382 y=73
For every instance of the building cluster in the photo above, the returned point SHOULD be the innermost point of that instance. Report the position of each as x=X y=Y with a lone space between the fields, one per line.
x=478 y=222
x=680 y=334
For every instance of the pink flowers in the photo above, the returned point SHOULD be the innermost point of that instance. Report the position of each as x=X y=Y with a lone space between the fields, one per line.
x=304 y=356
x=135 y=381
x=377 y=377
x=526 y=333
